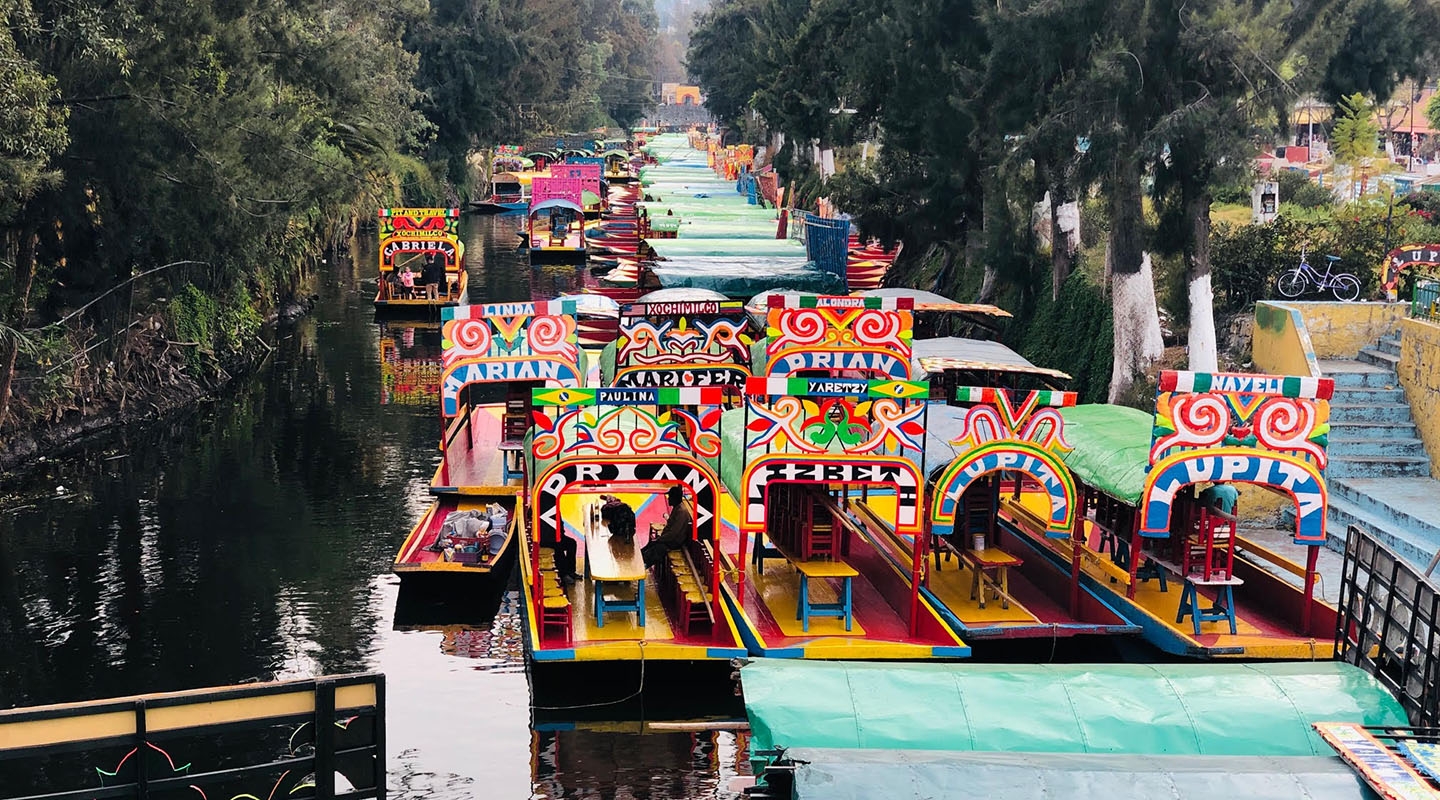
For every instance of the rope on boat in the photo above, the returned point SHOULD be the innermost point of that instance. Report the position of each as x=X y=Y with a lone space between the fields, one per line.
x=638 y=691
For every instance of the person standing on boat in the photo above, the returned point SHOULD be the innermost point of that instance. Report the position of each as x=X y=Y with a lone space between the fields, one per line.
x=407 y=283
x=433 y=275
x=676 y=532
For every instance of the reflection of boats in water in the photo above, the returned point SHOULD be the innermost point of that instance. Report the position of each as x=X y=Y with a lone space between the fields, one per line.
x=636 y=759
x=409 y=363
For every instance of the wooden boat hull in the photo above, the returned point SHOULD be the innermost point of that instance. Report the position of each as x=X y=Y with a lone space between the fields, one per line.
x=1040 y=592
x=421 y=306
x=620 y=640
x=415 y=564
x=472 y=463
x=1267 y=610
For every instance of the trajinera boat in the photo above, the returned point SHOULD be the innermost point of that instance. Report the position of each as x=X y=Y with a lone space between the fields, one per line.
x=1159 y=533
x=833 y=415
x=555 y=225
x=493 y=356
x=605 y=463
x=422 y=260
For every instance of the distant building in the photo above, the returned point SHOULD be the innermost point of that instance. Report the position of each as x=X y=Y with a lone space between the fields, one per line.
x=678 y=94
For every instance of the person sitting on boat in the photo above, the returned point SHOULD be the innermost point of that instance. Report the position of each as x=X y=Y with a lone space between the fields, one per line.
x=675 y=533
x=619 y=518
x=433 y=276
x=407 y=283
x=1220 y=499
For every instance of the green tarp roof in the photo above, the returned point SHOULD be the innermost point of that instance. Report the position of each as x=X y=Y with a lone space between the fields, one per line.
x=1169 y=709
x=1112 y=448
x=905 y=774
x=741 y=276
x=694 y=246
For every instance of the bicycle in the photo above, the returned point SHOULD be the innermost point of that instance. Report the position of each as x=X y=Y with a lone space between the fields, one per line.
x=1344 y=286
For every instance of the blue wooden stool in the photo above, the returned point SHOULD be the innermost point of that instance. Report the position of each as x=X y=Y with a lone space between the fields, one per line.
x=1224 y=608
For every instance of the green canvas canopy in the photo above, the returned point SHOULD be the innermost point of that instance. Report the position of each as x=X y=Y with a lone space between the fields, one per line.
x=1112 y=448
x=692 y=246
x=1161 y=709
x=741 y=276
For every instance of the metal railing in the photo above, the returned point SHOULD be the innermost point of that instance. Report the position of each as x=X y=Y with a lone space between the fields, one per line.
x=1387 y=624
x=1425 y=302
x=287 y=739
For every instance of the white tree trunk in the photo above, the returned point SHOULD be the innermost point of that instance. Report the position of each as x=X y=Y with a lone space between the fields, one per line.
x=827 y=163
x=1203 y=351
x=1137 y=326
x=1067 y=216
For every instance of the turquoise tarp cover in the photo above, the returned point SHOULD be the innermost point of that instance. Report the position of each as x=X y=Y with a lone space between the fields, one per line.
x=904 y=774
x=1171 y=709
x=1112 y=448
x=742 y=276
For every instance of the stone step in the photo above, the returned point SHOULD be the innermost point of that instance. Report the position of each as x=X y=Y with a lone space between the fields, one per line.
x=1373 y=378
x=1371 y=430
x=1364 y=395
x=1386 y=466
x=1415 y=545
x=1370 y=412
x=1388 y=345
x=1379 y=358
x=1341 y=447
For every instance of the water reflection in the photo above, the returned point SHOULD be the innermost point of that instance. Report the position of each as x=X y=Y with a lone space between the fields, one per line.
x=253 y=538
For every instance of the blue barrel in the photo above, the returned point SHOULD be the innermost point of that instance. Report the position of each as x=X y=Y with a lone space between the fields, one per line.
x=827 y=243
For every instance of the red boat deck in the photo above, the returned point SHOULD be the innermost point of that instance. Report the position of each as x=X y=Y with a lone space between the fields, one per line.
x=413 y=555
x=472 y=463
x=769 y=601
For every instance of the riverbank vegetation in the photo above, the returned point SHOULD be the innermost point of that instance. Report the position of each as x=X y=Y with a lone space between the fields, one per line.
x=1107 y=124
x=171 y=171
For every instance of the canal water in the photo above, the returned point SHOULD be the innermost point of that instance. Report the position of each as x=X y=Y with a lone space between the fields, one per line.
x=252 y=539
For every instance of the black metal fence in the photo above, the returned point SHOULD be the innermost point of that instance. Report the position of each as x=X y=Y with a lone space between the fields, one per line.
x=293 y=739
x=1387 y=624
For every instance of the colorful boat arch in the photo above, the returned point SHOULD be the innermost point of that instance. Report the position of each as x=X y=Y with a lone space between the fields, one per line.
x=682 y=344
x=420 y=231
x=610 y=436
x=1267 y=430
x=895 y=472
x=999 y=434
x=1283 y=472
x=507 y=342
x=1010 y=456
x=834 y=430
x=865 y=335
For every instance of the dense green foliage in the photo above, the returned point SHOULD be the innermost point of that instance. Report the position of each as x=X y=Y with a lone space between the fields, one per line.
x=1073 y=334
x=1249 y=258
x=242 y=137
x=980 y=110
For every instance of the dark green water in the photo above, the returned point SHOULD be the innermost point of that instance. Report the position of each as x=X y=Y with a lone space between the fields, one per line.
x=253 y=538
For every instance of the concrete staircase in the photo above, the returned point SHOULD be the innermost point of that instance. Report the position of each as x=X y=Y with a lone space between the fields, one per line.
x=1379 y=474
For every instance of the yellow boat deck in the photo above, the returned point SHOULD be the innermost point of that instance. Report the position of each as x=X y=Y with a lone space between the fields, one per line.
x=1258 y=635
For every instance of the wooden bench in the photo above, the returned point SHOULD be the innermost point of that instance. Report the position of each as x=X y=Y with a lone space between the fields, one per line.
x=687 y=581
x=822 y=569
x=554 y=604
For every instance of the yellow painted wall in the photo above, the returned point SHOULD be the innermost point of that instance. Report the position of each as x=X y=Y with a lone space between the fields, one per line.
x=1281 y=345
x=1419 y=370
x=1341 y=330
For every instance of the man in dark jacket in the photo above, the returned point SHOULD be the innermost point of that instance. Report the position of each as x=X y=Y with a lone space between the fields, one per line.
x=677 y=531
x=433 y=275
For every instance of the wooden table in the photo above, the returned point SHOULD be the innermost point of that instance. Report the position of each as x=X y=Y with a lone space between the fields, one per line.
x=822 y=568
x=614 y=562
x=511 y=451
x=985 y=562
